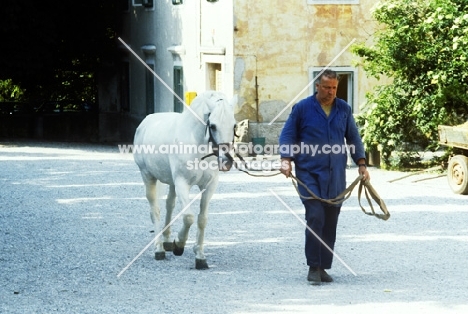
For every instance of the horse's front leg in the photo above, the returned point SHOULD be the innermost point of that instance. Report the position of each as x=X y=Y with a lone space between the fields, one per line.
x=198 y=249
x=182 y=190
x=151 y=195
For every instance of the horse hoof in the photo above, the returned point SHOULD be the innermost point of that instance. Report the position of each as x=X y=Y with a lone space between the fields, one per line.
x=178 y=251
x=168 y=246
x=159 y=256
x=201 y=264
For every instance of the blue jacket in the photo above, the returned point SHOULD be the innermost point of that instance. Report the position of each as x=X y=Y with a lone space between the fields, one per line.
x=323 y=171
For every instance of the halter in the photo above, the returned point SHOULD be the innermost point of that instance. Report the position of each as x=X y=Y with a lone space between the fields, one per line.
x=215 y=145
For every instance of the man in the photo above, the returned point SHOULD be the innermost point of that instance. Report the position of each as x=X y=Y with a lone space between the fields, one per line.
x=318 y=126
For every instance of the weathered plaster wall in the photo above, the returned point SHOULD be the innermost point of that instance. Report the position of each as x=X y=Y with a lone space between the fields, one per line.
x=277 y=41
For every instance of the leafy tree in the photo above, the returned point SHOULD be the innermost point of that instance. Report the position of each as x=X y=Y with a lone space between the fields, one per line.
x=421 y=47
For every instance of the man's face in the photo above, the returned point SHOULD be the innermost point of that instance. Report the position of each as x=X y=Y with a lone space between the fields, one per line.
x=326 y=90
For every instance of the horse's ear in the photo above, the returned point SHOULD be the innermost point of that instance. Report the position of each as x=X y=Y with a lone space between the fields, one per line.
x=234 y=101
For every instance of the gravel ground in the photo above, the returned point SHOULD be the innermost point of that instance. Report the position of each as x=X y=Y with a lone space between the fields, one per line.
x=72 y=216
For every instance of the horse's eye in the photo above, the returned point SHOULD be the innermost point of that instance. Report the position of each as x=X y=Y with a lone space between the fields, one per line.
x=213 y=127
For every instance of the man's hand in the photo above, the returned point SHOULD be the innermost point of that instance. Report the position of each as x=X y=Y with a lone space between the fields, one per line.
x=364 y=173
x=362 y=170
x=286 y=167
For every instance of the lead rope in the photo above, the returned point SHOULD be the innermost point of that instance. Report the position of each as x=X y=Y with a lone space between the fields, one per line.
x=369 y=189
x=248 y=172
x=363 y=185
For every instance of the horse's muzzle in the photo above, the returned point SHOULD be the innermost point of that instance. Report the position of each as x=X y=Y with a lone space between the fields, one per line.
x=225 y=162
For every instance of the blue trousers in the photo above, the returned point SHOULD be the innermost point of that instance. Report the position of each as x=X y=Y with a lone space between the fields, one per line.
x=322 y=218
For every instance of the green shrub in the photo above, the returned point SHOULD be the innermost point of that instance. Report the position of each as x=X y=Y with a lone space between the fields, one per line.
x=421 y=47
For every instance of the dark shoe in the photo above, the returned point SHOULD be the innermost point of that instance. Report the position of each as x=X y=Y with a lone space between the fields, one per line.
x=314 y=276
x=324 y=276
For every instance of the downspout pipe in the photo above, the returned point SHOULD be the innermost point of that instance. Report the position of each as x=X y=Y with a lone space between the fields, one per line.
x=256 y=100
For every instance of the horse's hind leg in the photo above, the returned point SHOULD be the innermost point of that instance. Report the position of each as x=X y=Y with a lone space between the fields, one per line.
x=152 y=196
x=170 y=204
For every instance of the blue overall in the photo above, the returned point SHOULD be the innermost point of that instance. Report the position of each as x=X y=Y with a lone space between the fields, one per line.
x=321 y=165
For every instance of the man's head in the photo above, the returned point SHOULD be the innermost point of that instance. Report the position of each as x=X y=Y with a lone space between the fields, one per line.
x=326 y=86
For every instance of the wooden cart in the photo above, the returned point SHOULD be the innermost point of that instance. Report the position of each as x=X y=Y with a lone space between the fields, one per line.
x=457 y=170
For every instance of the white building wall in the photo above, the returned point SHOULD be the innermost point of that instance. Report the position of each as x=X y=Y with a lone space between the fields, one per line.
x=190 y=35
x=206 y=38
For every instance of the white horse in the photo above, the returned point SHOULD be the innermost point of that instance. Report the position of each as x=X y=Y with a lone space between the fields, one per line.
x=182 y=160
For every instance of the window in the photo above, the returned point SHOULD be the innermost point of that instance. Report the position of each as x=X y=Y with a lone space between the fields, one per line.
x=332 y=1
x=214 y=76
x=150 y=54
x=346 y=87
x=178 y=88
x=145 y=3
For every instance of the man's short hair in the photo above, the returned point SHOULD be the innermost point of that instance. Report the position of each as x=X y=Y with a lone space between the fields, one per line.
x=330 y=74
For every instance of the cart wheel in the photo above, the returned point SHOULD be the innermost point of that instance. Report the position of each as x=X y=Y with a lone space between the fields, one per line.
x=457 y=174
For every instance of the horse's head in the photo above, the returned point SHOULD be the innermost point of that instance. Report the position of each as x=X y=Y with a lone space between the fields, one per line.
x=220 y=127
